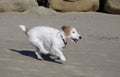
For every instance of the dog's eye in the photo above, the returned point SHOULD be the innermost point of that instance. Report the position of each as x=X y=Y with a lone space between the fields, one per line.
x=73 y=32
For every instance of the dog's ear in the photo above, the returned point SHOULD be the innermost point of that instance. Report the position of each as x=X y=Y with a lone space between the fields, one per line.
x=66 y=29
x=63 y=27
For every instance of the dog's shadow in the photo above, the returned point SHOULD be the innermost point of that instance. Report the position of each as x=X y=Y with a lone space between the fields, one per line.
x=33 y=55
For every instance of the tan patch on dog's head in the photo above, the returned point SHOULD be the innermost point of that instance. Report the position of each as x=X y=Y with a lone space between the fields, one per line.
x=66 y=30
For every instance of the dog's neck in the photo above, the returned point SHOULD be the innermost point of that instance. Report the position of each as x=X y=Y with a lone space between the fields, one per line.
x=63 y=37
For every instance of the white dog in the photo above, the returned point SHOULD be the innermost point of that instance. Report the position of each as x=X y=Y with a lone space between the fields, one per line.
x=55 y=40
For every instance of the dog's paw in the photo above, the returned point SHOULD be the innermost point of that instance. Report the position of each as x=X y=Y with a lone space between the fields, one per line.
x=40 y=58
x=46 y=52
x=62 y=58
x=54 y=57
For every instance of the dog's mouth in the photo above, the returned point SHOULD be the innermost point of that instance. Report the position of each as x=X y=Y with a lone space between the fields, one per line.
x=75 y=40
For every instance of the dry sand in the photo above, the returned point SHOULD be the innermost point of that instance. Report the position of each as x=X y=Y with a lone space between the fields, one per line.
x=96 y=55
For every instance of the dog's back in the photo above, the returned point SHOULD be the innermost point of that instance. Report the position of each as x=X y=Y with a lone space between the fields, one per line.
x=43 y=32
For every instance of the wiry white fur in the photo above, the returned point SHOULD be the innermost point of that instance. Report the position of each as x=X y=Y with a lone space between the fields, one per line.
x=44 y=36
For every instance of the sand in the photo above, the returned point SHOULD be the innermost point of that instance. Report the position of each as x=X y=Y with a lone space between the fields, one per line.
x=96 y=55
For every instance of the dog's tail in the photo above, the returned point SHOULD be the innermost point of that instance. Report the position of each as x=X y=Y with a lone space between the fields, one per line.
x=25 y=29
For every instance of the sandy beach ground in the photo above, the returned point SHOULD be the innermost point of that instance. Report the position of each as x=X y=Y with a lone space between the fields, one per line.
x=96 y=55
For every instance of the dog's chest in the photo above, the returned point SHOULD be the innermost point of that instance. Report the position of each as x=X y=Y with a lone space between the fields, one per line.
x=57 y=42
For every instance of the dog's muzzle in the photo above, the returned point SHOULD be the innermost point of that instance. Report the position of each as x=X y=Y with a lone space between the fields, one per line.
x=76 y=40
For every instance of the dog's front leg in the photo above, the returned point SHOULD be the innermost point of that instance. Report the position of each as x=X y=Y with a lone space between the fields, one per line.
x=59 y=53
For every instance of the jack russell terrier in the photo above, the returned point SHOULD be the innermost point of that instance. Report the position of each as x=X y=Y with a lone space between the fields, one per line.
x=54 y=39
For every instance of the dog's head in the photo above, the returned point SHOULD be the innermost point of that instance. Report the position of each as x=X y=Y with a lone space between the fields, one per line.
x=71 y=33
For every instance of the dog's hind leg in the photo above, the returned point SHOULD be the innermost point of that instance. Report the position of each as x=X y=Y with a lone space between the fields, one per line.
x=37 y=52
x=40 y=46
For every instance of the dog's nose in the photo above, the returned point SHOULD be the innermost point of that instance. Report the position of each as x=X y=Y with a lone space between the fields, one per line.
x=80 y=37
